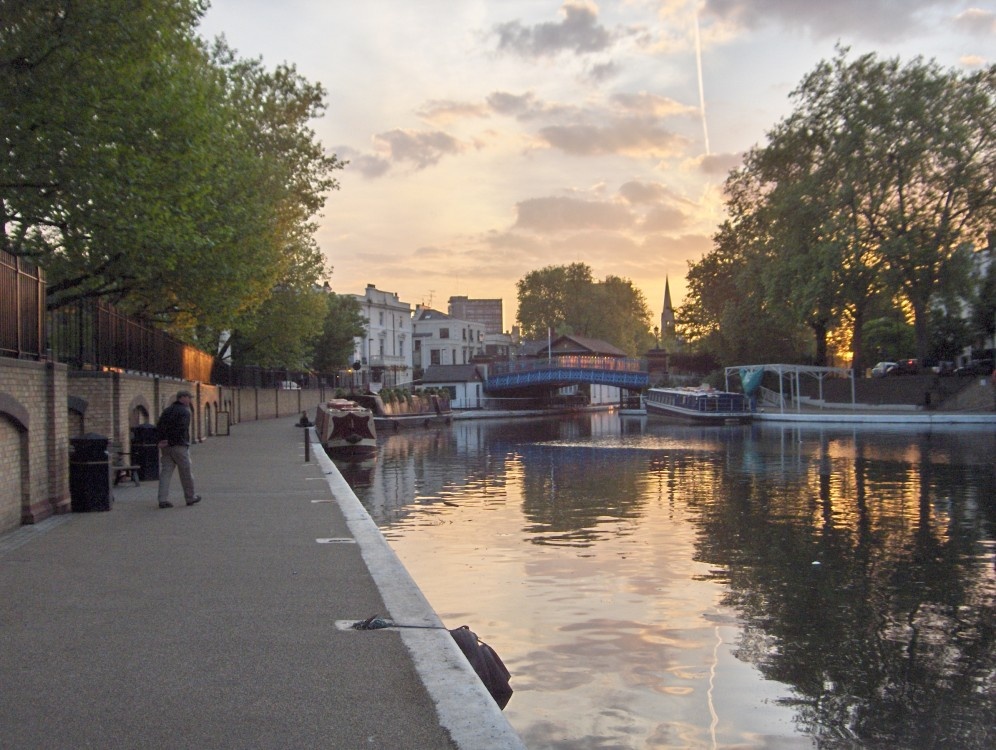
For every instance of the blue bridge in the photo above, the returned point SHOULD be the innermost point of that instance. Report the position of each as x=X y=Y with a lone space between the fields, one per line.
x=565 y=370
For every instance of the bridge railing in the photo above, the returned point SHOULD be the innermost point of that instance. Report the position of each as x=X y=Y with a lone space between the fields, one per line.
x=567 y=361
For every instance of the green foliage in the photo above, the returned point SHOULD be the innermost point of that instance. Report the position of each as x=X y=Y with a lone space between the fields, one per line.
x=343 y=321
x=283 y=330
x=147 y=169
x=874 y=188
x=568 y=300
x=888 y=339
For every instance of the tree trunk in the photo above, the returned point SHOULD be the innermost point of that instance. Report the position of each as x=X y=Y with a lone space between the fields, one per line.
x=820 y=332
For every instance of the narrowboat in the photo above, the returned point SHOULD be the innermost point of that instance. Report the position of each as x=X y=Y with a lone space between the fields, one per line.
x=345 y=428
x=701 y=405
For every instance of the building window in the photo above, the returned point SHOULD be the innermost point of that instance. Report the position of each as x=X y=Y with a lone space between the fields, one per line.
x=444 y=333
x=434 y=357
x=380 y=317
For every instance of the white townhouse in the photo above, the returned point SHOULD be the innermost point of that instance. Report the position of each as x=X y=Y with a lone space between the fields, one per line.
x=384 y=354
x=443 y=340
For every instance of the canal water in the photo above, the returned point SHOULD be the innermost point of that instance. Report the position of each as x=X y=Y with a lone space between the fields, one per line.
x=659 y=586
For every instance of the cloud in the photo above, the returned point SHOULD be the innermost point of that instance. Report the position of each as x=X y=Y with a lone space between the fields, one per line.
x=446 y=111
x=634 y=136
x=602 y=72
x=643 y=192
x=511 y=246
x=368 y=165
x=972 y=61
x=431 y=252
x=419 y=147
x=976 y=21
x=720 y=164
x=653 y=105
x=664 y=219
x=558 y=214
x=881 y=20
x=578 y=32
x=523 y=106
x=683 y=248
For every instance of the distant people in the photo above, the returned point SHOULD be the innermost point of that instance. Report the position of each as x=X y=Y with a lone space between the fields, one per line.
x=173 y=430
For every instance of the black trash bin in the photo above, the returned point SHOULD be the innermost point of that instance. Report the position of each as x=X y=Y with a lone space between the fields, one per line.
x=145 y=451
x=89 y=473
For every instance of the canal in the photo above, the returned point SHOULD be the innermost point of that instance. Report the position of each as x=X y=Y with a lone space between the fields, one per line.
x=659 y=586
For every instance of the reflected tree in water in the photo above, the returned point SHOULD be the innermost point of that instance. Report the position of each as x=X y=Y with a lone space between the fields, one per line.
x=879 y=615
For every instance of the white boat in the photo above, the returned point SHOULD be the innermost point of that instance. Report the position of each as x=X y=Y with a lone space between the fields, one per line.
x=345 y=428
x=701 y=405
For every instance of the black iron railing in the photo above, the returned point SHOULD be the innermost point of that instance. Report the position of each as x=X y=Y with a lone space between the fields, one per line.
x=22 y=308
x=94 y=335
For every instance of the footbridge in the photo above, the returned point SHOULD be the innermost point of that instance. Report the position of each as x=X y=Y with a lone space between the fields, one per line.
x=565 y=370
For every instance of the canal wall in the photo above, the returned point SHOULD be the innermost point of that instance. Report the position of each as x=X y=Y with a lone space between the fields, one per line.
x=927 y=391
x=44 y=404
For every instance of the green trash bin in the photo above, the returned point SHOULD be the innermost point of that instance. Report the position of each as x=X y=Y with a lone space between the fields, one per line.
x=89 y=473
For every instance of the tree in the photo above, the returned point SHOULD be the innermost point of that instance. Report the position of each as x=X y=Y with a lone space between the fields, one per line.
x=144 y=168
x=283 y=331
x=908 y=156
x=875 y=186
x=568 y=300
x=551 y=299
x=726 y=313
x=343 y=322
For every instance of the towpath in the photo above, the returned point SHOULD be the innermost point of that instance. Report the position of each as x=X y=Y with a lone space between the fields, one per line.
x=225 y=624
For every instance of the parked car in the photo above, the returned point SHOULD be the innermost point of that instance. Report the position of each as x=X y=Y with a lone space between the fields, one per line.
x=883 y=368
x=907 y=367
x=289 y=385
x=945 y=367
x=976 y=367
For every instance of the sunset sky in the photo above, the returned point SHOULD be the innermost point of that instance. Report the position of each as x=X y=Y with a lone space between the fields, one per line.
x=490 y=138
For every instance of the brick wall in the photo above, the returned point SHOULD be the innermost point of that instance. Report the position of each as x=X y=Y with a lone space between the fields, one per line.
x=42 y=405
x=34 y=441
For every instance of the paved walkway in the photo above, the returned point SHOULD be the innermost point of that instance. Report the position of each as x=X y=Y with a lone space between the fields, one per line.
x=224 y=624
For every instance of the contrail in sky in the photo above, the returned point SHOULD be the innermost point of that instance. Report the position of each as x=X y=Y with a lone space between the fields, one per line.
x=698 y=63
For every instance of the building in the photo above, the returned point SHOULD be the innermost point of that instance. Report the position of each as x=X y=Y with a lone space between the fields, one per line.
x=440 y=339
x=485 y=312
x=580 y=346
x=384 y=355
x=668 y=332
x=463 y=383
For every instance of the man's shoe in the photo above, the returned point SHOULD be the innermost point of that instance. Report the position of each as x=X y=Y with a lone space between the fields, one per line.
x=166 y=504
x=194 y=499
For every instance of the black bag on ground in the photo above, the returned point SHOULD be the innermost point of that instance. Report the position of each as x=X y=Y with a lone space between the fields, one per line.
x=486 y=663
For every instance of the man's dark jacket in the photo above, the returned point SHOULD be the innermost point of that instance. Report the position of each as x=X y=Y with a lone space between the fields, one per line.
x=174 y=424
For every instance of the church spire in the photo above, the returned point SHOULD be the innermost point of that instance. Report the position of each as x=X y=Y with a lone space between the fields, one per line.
x=667 y=315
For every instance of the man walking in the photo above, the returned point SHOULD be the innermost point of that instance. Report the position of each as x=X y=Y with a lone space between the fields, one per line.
x=173 y=429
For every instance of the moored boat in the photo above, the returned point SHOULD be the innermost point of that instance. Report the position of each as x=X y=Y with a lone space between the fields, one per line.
x=345 y=428
x=701 y=405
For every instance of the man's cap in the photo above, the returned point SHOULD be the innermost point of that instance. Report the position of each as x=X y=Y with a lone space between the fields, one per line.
x=181 y=394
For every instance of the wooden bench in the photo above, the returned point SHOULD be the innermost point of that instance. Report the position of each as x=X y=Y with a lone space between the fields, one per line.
x=122 y=466
x=123 y=471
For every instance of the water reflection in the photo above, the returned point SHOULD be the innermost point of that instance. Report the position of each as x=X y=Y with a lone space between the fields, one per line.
x=660 y=586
